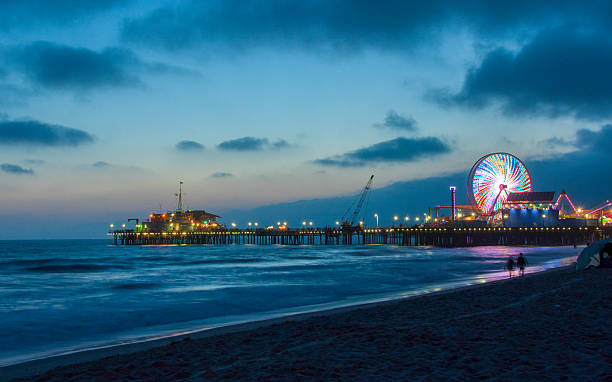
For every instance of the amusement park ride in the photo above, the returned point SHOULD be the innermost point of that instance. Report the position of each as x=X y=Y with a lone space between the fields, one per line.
x=500 y=192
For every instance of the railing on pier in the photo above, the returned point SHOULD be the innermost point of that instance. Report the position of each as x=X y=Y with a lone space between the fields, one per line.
x=410 y=236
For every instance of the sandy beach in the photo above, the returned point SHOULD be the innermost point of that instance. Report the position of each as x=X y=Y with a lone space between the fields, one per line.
x=553 y=325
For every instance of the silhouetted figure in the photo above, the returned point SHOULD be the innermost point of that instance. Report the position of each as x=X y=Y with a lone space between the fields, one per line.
x=521 y=263
x=510 y=266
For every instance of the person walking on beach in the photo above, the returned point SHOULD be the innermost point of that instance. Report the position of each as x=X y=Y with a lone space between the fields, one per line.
x=521 y=263
x=510 y=266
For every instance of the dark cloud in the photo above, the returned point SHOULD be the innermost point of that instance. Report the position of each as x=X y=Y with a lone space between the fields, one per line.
x=15 y=169
x=35 y=133
x=564 y=71
x=23 y=13
x=344 y=25
x=55 y=66
x=190 y=146
x=393 y=120
x=243 y=144
x=252 y=144
x=281 y=144
x=395 y=150
x=595 y=141
x=101 y=164
x=221 y=175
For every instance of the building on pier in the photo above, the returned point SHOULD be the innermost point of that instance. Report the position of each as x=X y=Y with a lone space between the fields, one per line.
x=183 y=221
x=529 y=209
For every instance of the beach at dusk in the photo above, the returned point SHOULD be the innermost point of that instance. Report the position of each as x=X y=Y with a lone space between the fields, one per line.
x=546 y=326
x=254 y=190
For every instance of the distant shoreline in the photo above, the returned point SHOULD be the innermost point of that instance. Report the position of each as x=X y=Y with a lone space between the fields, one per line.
x=44 y=364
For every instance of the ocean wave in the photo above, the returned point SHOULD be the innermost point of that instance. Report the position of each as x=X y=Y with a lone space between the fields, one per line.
x=72 y=268
x=225 y=261
x=135 y=286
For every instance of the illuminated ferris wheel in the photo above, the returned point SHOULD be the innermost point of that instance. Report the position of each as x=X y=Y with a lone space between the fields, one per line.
x=493 y=177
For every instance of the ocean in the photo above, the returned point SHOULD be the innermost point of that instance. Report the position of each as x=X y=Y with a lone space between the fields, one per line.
x=60 y=296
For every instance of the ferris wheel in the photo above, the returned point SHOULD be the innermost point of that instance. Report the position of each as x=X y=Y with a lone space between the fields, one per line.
x=493 y=177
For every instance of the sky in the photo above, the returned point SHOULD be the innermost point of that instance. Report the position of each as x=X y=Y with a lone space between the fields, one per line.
x=258 y=105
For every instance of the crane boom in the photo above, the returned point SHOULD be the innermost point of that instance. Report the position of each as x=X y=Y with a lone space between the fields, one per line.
x=362 y=198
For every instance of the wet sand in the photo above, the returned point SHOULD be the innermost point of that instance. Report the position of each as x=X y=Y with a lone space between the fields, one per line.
x=554 y=325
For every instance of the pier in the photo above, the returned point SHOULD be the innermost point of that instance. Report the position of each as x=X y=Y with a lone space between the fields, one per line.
x=445 y=237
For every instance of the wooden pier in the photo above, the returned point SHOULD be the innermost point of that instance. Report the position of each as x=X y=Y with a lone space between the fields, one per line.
x=446 y=237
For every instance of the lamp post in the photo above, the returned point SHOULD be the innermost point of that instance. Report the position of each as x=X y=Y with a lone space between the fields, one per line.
x=376 y=216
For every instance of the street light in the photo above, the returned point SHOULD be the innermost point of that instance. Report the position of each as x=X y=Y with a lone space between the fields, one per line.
x=310 y=223
x=111 y=225
x=337 y=223
x=417 y=218
x=233 y=224
x=250 y=224
x=406 y=218
x=303 y=223
x=395 y=218
x=256 y=224
x=376 y=216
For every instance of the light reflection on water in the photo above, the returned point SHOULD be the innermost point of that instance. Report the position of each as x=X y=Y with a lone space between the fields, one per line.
x=57 y=296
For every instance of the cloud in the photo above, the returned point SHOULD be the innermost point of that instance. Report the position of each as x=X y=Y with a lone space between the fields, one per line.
x=23 y=13
x=400 y=149
x=343 y=26
x=56 y=66
x=101 y=164
x=393 y=120
x=564 y=71
x=595 y=141
x=35 y=133
x=34 y=161
x=221 y=175
x=252 y=144
x=281 y=144
x=555 y=142
x=189 y=146
x=15 y=169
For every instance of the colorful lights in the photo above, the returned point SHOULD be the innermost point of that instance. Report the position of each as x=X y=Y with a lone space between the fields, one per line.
x=495 y=176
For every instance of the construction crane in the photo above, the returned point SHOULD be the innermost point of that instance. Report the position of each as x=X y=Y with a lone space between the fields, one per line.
x=350 y=223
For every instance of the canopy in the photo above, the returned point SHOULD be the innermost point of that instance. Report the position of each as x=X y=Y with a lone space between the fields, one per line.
x=590 y=255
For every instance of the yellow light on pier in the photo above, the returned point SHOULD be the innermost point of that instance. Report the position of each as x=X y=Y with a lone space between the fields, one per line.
x=233 y=224
x=122 y=225
x=337 y=223
x=111 y=225
x=250 y=224
x=303 y=223
x=310 y=223
x=395 y=218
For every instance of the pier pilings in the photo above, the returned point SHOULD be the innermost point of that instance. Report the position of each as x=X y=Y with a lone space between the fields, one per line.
x=447 y=237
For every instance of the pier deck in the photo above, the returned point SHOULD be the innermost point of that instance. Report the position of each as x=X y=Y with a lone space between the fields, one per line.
x=409 y=236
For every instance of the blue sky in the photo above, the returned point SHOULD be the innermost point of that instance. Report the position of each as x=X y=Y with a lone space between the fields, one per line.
x=104 y=105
